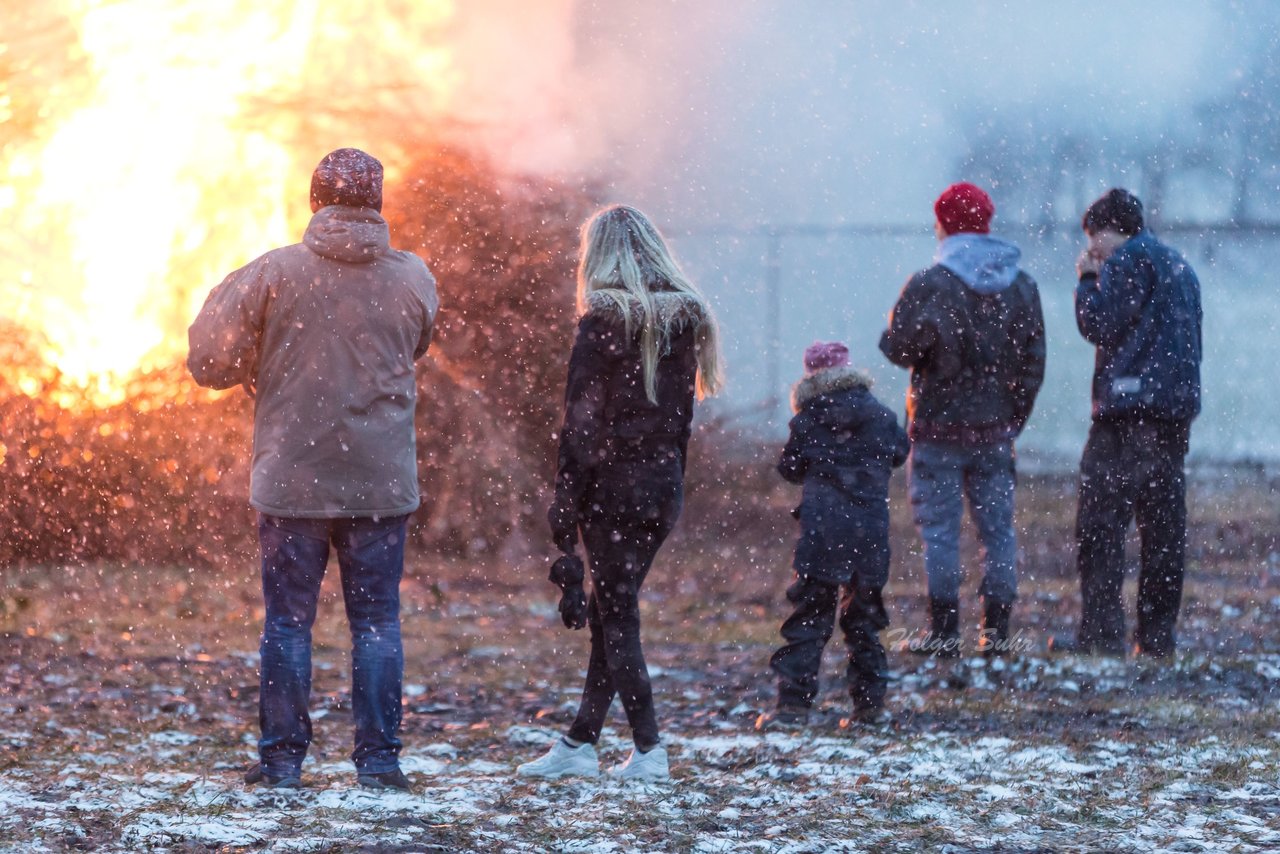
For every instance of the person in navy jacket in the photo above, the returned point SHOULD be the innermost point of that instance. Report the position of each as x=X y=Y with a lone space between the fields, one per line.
x=1138 y=302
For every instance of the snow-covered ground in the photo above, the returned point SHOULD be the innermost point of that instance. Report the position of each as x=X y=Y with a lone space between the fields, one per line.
x=1117 y=781
x=128 y=712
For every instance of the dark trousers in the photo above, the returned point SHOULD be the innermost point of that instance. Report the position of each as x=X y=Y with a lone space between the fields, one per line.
x=635 y=515
x=371 y=559
x=807 y=630
x=1132 y=469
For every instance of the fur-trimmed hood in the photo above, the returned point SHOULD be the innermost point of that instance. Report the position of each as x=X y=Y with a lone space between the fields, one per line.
x=677 y=310
x=827 y=381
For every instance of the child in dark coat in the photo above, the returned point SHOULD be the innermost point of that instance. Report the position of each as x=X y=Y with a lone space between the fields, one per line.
x=843 y=448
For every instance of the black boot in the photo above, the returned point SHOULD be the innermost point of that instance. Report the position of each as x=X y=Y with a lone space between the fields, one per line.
x=995 y=629
x=1080 y=646
x=943 y=640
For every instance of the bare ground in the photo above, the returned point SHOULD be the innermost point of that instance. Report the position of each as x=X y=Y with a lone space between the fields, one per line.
x=129 y=697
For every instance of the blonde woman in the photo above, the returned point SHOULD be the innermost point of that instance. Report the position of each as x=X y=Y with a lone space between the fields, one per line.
x=646 y=346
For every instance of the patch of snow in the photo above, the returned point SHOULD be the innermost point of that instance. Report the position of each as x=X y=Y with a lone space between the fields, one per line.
x=441 y=749
x=482 y=766
x=412 y=764
x=996 y=792
x=528 y=736
x=153 y=829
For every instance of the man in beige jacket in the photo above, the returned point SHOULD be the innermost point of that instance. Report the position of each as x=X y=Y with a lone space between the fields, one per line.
x=324 y=335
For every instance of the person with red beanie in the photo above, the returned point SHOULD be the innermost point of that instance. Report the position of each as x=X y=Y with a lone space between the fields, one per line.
x=963 y=209
x=971 y=331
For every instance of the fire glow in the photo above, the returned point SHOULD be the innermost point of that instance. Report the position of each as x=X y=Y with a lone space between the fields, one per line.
x=182 y=154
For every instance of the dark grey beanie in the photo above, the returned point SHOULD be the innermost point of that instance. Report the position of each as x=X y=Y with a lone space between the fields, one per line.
x=347 y=176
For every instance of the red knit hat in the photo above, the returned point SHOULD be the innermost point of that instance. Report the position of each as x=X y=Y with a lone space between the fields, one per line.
x=825 y=354
x=964 y=207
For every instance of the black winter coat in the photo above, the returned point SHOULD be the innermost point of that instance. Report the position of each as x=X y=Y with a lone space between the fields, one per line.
x=1143 y=313
x=621 y=455
x=844 y=446
x=976 y=359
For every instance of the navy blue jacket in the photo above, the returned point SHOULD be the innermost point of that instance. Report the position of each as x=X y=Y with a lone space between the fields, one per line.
x=1143 y=314
x=844 y=446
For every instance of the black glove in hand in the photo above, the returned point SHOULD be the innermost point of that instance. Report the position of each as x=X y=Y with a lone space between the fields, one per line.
x=567 y=573
x=573 y=608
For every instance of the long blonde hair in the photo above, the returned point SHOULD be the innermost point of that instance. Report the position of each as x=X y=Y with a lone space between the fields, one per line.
x=624 y=257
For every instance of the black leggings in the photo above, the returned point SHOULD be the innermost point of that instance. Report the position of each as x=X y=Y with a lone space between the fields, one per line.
x=620 y=552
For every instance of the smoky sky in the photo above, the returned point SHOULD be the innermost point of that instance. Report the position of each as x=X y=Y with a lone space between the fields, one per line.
x=764 y=112
x=826 y=111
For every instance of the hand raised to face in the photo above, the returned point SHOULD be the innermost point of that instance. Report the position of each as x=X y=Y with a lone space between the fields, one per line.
x=1088 y=264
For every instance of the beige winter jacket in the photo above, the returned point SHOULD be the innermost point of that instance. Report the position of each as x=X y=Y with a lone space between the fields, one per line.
x=324 y=333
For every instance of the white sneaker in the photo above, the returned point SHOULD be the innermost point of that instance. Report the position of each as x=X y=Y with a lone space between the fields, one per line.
x=563 y=761
x=648 y=767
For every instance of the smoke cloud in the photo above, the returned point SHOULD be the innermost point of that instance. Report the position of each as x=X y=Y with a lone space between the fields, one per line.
x=779 y=111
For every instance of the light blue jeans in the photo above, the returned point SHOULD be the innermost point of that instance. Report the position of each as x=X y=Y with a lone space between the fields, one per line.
x=941 y=476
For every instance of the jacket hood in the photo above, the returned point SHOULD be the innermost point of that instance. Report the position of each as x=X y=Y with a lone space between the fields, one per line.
x=676 y=310
x=986 y=264
x=828 y=381
x=352 y=235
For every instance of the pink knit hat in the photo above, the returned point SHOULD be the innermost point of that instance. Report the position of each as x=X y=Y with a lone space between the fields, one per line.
x=825 y=354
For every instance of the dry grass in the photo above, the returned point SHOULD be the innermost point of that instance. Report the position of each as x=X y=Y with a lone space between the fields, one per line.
x=129 y=701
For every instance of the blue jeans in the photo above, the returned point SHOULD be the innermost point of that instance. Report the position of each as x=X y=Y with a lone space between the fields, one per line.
x=371 y=559
x=942 y=475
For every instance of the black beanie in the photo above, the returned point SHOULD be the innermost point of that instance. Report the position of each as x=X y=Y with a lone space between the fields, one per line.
x=347 y=176
x=1118 y=210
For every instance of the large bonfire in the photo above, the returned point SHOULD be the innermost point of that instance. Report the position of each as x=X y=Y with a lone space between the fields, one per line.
x=130 y=191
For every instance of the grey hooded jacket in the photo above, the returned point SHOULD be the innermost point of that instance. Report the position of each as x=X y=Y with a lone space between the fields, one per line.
x=324 y=334
x=971 y=330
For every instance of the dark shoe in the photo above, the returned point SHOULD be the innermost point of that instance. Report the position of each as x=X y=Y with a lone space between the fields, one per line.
x=868 y=693
x=943 y=640
x=1152 y=652
x=1154 y=644
x=394 y=780
x=785 y=717
x=995 y=629
x=255 y=776
x=1061 y=646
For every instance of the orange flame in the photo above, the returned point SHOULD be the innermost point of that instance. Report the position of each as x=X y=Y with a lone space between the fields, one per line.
x=189 y=157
